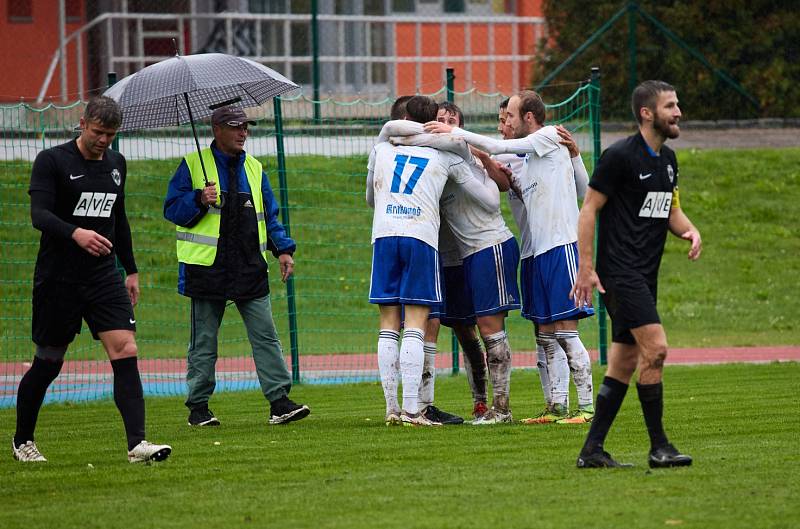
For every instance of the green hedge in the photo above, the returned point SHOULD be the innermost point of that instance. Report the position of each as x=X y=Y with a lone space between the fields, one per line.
x=757 y=43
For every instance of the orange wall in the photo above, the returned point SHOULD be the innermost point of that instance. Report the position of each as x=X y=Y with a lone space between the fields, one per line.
x=27 y=51
x=433 y=73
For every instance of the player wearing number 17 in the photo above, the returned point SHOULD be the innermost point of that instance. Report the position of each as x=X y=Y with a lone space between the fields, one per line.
x=404 y=185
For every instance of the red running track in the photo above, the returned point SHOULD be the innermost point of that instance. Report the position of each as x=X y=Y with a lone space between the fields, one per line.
x=369 y=362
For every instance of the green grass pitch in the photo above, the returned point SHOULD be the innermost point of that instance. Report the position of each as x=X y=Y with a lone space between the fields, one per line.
x=342 y=468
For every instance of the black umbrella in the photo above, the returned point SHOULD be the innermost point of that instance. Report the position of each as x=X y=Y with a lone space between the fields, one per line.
x=181 y=89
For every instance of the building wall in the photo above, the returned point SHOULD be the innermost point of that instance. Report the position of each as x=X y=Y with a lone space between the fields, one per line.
x=477 y=74
x=28 y=48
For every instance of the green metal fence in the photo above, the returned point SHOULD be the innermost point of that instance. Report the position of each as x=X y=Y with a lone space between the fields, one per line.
x=317 y=167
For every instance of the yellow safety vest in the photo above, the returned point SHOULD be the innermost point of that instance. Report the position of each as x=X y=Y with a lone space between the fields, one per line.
x=198 y=245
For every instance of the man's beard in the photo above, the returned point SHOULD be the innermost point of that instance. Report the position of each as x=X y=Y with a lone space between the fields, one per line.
x=665 y=129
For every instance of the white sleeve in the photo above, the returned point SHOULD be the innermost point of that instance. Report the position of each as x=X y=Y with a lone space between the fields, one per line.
x=399 y=127
x=473 y=180
x=493 y=146
x=370 y=178
x=441 y=142
x=581 y=176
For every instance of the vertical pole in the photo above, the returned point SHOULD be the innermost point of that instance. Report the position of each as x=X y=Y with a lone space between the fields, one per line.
x=62 y=40
x=633 y=9
x=594 y=118
x=112 y=80
x=315 y=59
x=284 y=194
x=451 y=81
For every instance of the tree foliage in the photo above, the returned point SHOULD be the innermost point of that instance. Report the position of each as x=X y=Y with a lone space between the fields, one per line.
x=755 y=42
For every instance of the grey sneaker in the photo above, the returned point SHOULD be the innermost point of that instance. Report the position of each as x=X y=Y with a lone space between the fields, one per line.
x=145 y=452
x=393 y=419
x=493 y=416
x=416 y=419
x=27 y=453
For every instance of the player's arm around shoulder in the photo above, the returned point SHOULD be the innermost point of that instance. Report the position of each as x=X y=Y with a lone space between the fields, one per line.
x=182 y=205
x=474 y=182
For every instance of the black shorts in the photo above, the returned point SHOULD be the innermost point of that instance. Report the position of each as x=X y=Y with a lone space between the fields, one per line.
x=631 y=302
x=59 y=307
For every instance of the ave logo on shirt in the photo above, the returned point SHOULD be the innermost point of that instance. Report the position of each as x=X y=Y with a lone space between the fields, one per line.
x=95 y=204
x=656 y=205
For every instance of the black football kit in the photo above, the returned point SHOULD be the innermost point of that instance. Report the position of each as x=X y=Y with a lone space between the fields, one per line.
x=68 y=192
x=641 y=187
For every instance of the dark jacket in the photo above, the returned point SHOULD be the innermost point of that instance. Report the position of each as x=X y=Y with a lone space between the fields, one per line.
x=239 y=271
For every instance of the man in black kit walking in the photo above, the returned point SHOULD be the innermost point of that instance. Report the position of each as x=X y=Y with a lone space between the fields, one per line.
x=635 y=190
x=78 y=203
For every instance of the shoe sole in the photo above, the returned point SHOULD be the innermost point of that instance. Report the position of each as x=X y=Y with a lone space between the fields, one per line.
x=582 y=465
x=669 y=464
x=211 y=422
x=159 y=455
x=296 y=415
x=573 y=421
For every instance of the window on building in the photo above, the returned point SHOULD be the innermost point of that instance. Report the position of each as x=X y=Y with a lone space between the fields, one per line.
x=453 y=6
x=73 y=9
x=19 y=11
x=403 y=6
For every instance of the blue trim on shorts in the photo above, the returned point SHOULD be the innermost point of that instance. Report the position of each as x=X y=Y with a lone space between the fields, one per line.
x=550 y=278
x=491 y=276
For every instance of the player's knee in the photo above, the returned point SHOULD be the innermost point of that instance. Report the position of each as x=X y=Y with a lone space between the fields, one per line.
x=656 y=355
x=127 y=349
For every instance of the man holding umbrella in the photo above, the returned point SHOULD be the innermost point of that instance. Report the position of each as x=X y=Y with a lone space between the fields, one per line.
x=227 y=220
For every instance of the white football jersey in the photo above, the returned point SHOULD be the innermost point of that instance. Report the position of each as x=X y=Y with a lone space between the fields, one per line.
x=547 y=180
x=474 y=225
x=515 y=163
x=407 y=183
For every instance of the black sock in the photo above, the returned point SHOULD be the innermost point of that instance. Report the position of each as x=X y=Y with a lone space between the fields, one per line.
x=609 y=399
x=651 y=397
x=30 y=395
x=477 y=362
x=129 y=398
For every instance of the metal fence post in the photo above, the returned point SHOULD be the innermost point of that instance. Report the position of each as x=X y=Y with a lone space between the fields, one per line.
x=451 y=79
x=594 y=118
x=315 y=59
x=284 y=194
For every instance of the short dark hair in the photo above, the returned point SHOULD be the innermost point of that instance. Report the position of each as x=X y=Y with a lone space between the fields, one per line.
x=504 y=103
x=104 y=110
x=646 y=95
x=530 y=101
x=399 y=107
x=452 y=108
x=421 y=109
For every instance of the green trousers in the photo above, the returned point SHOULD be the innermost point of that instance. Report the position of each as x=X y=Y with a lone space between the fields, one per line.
x=206 y=317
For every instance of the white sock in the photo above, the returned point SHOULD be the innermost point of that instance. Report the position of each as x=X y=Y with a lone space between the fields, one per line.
x=579 y=363
x=557 y=368
x=412 y=357
x=428 y=376
x=544 y=376
x=389 y=366
x=498 y=358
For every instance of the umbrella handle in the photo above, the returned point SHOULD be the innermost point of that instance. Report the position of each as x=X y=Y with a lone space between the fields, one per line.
x=194 y=133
